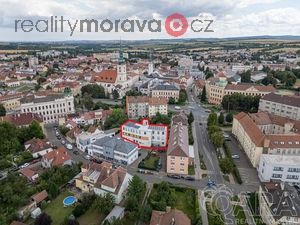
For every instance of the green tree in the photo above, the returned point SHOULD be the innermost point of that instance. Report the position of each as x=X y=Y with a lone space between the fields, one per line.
x=2 y=110
x=172 y=101
x=9 y=141
x=36 y=130
x=104 y=203
x=217 y=139
x=208 y=75
x=226 y=165
x=212 y=119
x=229 y=117
x=94 y=90
x=182 y=96
x=203 y=95
x=190 y=118
x=221 y=118
x=117 y=118
x=115 y=94
x=53 y=190
x=43 y=219
x=88 y=101
x=246 y=76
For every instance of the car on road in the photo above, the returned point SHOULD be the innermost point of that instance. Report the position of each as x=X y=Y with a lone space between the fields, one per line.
x=211 y=183
x=24 y=165
x=174 y=176
x=59 y=137
x=88 y=157
x=76 y=152
x=207 y=110
x=200 y=124
x=63 y=142
x=69 y=146
x=177 y=107
x=189 y=178
x=235 y=156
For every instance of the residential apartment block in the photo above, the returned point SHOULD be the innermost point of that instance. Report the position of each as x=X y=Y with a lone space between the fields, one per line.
x=145 y=134
x=279 y=204
x=281 y=105
x=282 y=168
x=178 y=155
x=264 y=133
x=103 y=178
x=218 y=87
x=144 y=106
x=51 y=107
x=166 y=91
x=114 y=149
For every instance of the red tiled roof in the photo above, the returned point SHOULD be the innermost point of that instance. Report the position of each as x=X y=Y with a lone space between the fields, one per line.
x=22 y=119
x=59 y=156
x=171 y=217
x=27 y=172
x=106 y=76
x=39 y=197
x=37 y=145
x=244 y=87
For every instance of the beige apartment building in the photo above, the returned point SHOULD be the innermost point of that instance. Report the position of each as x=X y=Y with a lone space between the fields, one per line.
x=11 y=102
x=166 y=91
x=281 y=105
x=264 y=133
x=144 y=106
x=178 y=155
x=217 y=88
x=51 y=107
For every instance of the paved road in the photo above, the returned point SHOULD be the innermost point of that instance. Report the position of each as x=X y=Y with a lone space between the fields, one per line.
x=223 y=194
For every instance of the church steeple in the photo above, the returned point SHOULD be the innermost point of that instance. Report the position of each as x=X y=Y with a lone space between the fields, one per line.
x=121 y=57
x=121 y=67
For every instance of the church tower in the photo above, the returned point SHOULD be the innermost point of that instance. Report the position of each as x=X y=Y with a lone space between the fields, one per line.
x=151 y=65
x=121 y=68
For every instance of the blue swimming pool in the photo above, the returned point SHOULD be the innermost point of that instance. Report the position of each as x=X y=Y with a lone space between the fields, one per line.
x=70 y=200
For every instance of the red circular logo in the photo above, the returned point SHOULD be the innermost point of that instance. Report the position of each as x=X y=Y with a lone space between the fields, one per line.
x=176 y=24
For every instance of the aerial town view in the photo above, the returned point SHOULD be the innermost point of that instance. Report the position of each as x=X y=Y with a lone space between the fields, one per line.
x=139 y=112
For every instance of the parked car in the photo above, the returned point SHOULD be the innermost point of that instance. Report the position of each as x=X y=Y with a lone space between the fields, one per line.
x=174 y=176
x=235 y=156
x=189 y=178
x=88 y=157
x=76 y=153
x=63 y=142
x=69 y=146
x=24 y=165
x=59 y=137
x=177 y=107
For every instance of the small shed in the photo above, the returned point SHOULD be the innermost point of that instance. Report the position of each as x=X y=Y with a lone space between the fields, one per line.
x=116 y=213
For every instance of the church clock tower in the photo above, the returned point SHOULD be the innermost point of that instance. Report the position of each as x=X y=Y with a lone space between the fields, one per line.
x=121 y=68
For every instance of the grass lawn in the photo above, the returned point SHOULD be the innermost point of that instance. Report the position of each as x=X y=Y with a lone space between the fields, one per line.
x=56 y=209
x=191 y=170
x=91 y=217
x=239 y=215
x=214 y=216
x=150 y=162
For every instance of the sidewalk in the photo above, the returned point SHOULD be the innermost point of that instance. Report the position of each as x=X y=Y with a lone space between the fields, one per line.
x=196 y=155
x=247 y=211
x=202 y=207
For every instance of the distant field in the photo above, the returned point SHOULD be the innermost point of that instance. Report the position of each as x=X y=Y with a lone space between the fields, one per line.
x=12 y=51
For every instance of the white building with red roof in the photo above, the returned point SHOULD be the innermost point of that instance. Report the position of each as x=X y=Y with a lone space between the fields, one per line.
x=58 y=157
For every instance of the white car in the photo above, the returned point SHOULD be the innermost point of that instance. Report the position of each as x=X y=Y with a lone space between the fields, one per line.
x=24 y=165
x=63 y=142
x=235 y=156
x=69 y=146
x=88 y=157
x=177 y=107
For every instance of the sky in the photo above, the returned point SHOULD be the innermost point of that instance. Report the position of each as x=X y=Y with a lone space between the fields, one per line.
x=231 y=18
